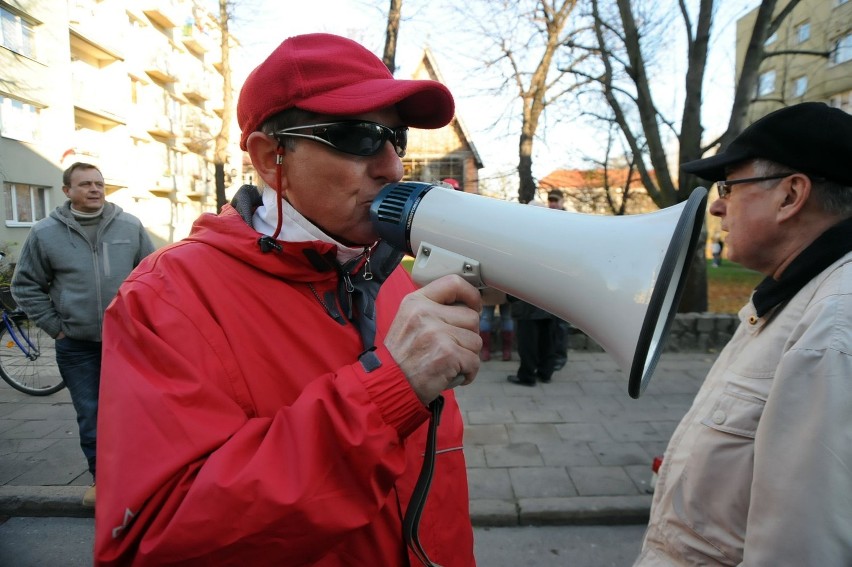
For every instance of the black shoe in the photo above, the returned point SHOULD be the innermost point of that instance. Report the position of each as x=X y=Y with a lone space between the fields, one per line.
x=515 y=380
x=544 y=380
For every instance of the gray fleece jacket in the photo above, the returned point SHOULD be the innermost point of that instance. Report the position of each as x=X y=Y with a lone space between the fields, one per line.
x=64 y=282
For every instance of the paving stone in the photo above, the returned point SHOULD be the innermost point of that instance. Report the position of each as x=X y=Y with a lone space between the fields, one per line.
x=480 y=417
x=567 y=454
x=513 y=455
x=541 y=482
x=537 y=416
x=576 y=432
x=489 y=484
x=602 y=481
x=620 y=453
x=532 y=432
x=485 y=434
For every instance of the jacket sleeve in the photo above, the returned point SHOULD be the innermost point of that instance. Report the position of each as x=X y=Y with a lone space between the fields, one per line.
x=186 y=472
x=802 y=487
x=31 y=284
x=146 y=247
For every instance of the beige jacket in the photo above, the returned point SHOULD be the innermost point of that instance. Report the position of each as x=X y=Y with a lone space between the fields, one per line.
x=759 y=471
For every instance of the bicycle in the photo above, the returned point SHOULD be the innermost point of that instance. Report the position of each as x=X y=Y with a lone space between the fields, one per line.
x=27 y=353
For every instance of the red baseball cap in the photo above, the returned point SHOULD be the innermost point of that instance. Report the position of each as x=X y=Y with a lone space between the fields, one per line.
x=329 y=74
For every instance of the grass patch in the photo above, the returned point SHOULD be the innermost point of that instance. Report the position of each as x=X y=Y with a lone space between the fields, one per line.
x=729 y=286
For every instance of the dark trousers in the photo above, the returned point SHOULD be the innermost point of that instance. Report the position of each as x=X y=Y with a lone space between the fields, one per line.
x=560 y=342
x=80 y=367
x=536 y=348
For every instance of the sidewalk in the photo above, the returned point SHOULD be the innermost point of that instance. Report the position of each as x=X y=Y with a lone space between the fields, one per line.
x=577 y=450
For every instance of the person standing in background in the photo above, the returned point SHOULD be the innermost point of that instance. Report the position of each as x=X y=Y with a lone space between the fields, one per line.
x=561 y=328
x=70 y=268
x=492 y=300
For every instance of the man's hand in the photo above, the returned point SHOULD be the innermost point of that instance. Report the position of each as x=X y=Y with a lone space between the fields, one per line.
x=435 y=336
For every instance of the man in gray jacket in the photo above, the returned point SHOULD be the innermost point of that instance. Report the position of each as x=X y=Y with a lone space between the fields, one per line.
x=69 y=270
x=758 y=471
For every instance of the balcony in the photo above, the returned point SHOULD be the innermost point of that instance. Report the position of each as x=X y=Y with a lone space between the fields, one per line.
x=97 y=93
x=93 y=44
x=161 y=68
x=196 y=40
x=161 y=127
x=164 y=13
x=172 y=187
x=195 y=89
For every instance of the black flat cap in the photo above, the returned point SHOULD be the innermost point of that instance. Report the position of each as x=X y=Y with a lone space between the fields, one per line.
x=810 y=137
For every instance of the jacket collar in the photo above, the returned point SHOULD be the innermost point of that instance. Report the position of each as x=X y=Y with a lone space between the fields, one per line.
x=829 y=247
x=314 y=261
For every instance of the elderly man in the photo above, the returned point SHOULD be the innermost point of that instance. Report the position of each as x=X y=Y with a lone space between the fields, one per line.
x=758 y=471
x=279 y=375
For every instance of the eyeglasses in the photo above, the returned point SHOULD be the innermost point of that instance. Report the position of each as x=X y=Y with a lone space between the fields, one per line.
x=356 y=137
x=724 y=187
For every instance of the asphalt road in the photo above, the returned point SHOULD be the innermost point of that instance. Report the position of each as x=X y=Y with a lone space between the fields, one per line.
x=67 y=542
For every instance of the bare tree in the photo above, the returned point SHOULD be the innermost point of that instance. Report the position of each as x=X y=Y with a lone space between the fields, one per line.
x=519 y=42
x=623 y=45
x=764 y=26
x=392 y=34
x=220 y=152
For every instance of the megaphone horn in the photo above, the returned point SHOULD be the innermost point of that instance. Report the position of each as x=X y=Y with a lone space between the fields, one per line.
x=618 y=279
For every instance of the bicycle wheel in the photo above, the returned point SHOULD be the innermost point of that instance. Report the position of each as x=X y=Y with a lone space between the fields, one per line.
x=28 y=357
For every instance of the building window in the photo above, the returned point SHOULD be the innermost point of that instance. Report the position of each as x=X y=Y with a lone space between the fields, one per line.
x=766 y=83
x=803 y=32
x=843 y=101
x=16 y=34
x=433 y=170
x=800 y=85
x=25 y=204
x=842 y=51
x=771 y=39
x=18 y=120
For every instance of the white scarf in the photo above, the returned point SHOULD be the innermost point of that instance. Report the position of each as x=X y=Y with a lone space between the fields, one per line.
x=295 y=228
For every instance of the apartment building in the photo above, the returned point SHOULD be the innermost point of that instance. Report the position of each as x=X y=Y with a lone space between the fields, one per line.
x=809 y=58
x=133 y=86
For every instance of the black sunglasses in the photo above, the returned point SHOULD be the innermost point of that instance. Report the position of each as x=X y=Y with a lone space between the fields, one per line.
x=356 y=137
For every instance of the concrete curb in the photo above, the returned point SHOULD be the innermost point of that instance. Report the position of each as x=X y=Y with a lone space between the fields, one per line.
x=583 y=510
x=64 y=501
x=53 y=501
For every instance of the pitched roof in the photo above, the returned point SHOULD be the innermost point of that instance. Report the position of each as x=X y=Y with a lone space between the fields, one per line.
x=588 y=178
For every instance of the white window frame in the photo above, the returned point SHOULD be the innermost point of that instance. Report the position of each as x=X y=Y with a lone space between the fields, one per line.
x=766 y=83
x=17 y=34
x=842 y=50
x=800 y=86
x=36 y=193
x=18 y=119
x=803 y=32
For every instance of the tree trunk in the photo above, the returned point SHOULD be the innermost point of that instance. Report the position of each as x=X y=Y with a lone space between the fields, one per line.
x=391 y=35
x=220 y=155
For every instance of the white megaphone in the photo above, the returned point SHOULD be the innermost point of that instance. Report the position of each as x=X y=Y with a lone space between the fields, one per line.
x=618 y=279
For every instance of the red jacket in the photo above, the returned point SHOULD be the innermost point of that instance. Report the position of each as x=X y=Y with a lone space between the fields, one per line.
x=237 y=426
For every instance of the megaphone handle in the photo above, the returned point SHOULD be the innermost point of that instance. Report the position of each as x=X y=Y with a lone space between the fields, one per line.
x=457 y=381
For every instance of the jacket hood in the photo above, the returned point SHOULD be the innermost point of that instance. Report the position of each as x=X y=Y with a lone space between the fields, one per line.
x=229 y=233
x=357 y=281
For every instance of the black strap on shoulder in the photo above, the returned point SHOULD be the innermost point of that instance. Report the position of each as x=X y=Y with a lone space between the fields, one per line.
x=411 y=523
